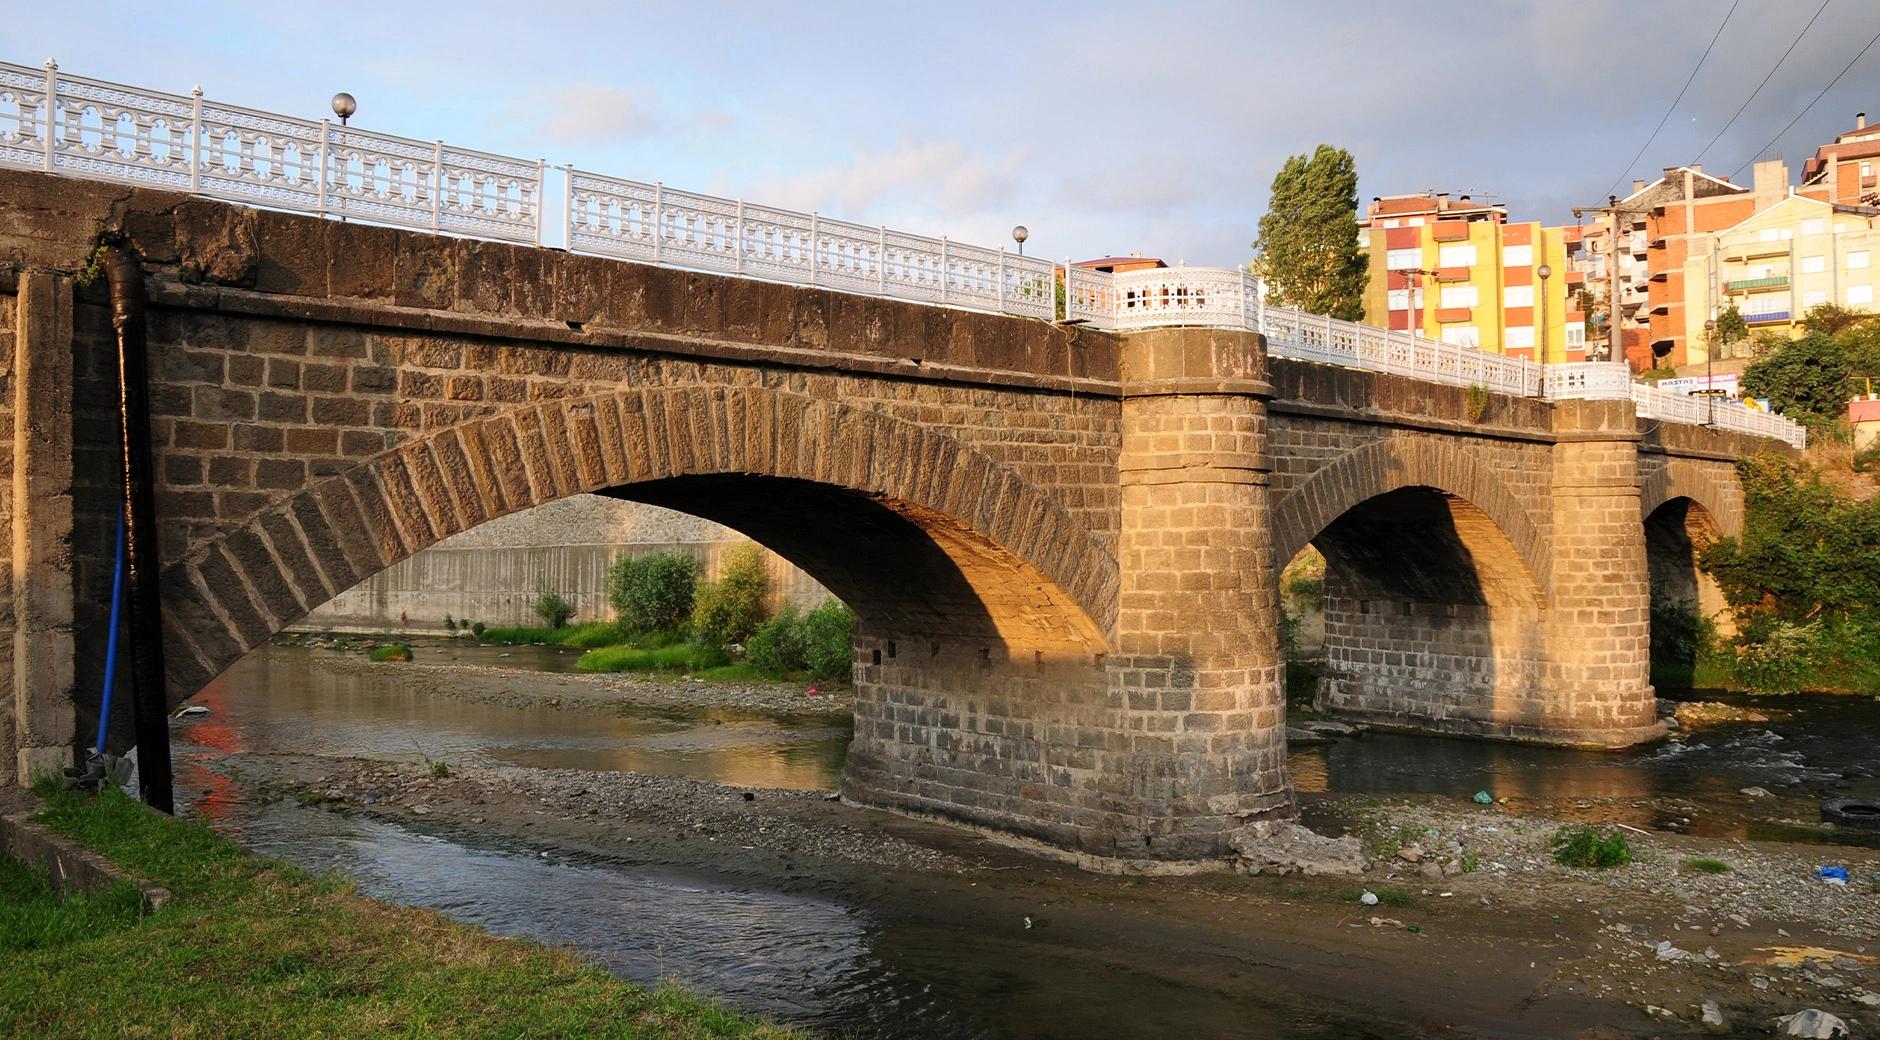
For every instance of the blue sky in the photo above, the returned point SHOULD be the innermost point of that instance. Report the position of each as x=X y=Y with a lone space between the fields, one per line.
x=1105 y=127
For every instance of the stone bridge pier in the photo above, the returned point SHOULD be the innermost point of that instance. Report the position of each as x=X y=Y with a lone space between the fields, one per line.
x=1061 y=544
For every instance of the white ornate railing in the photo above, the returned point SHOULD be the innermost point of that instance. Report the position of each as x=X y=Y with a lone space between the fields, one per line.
x=66 y=124
x=106 y=131
x=1654 y=403
x=656 y=224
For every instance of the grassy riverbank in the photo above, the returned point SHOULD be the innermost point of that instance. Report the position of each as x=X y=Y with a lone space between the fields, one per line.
x=254 y=948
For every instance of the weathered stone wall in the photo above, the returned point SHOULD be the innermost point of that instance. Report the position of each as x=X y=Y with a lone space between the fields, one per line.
x=9 y=739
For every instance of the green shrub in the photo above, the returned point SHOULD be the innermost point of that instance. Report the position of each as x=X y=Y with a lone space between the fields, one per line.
x=1777 y=656
x=652 y=593
x=551 y=608
x=1587 y=848
x=393 y=652
x=776 y=648
x=727 y=611
x=1867 y=460
x=450 y=623
x=477 y=630
x=1707 y=866
x=829 y=641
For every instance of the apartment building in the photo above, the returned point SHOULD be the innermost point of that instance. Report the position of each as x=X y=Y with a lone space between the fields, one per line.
x=1846 y=172
x=1774 y=266
x=1459 y=271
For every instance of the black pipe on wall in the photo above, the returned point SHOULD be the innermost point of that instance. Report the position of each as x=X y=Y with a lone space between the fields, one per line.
x=150 y=710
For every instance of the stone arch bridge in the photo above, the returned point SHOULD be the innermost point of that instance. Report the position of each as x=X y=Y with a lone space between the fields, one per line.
x=1062 y=544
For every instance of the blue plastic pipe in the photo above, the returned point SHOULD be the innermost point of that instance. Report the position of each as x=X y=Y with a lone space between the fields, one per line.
x=110 y=646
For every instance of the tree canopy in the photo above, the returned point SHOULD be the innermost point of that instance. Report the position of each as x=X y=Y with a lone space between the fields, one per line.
x=1308 y=252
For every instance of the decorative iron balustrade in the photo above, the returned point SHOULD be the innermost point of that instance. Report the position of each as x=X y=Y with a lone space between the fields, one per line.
x=72 y=125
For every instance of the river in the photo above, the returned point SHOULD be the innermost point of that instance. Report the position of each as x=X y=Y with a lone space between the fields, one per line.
x=839 y=962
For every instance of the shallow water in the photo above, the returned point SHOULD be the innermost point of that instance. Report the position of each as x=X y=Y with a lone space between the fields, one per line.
x=837 y=965
x=1813 y=748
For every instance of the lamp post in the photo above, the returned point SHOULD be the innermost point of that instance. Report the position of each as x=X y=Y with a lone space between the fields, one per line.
x=1545 y=271
x=344 y=106
x=1019 y=235
x=1710 y=391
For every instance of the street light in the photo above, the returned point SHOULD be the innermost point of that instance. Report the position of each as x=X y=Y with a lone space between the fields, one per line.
x=344 y=106
x=1710 y=351
x=1545 y=271
x=1019 y=235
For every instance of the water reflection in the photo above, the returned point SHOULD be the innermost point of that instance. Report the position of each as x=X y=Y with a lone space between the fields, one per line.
x=282 y=699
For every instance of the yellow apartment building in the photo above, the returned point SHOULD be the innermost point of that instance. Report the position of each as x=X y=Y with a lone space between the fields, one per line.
x=1460 y=272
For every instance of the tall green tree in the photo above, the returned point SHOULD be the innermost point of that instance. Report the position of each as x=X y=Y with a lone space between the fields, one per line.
x=1308 y=251
x=1805 y=379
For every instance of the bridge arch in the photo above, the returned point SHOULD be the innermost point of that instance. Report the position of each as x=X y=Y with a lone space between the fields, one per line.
x=914 y=528
x=1684 y=507
x=1434 y=589
x=1394 y=463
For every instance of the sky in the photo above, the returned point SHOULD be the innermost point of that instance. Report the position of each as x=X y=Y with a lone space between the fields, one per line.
x=1106 y=128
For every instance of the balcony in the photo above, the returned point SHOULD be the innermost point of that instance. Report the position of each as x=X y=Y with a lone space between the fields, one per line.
x=1757 y=250
x=1766 y=318
x=1773 y=281
x=1449 y=314
x=1451 y=231
x=1452 y=274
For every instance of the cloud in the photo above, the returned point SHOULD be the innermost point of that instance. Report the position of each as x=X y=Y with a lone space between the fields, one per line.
x=937 y=175
x=588 y=112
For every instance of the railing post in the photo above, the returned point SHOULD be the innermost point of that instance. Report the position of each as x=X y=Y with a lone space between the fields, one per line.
x=943 y=268
x=815 y=246
x=567 y=204
x=195 y=139
x=737 y=259
x=881 y=259
x=1001 y=279
x=324 y=152
x=437 y=186
x=541 y=170
x=52 y=107
x=659 y=218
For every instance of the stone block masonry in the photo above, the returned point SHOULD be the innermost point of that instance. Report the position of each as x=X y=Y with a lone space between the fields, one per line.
x=1061 y=545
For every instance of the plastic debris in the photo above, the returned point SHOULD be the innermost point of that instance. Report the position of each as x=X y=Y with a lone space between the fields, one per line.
x=190 y=712
x=1484 y=798
x=1833 y=875
x=1368 y=898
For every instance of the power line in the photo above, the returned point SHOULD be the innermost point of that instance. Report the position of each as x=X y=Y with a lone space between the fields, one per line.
x=1811 y=104
x=1674 y=101
x=1765 y=81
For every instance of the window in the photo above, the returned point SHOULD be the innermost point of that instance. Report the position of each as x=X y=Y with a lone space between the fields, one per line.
x=1460 y=296
x=1859 y=294
x=1414 y=222
x=1393 y=223
x=1813 y=226
x=1462 y=335
x=1517 y=296
x=1814 y=264
x=1400 y=259
x=1866 y=168
x=1520 y=336
x=1857 y=260
x=1462 y=254
x=1576 y=335
x=1402 y=300
x=1814 y=299
x=1517 y=256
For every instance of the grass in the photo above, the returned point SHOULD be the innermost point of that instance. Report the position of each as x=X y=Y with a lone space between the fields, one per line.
x=586 y=636
x=681 y=657
x=1707 y=866
x=1587 y=848
x=394 y=652
x=254 y=948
